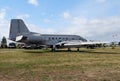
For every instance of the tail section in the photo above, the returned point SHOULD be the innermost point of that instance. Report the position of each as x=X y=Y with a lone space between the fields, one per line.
x=17 y=28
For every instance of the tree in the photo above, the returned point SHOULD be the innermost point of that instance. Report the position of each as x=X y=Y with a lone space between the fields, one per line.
x=119 y=43
x=113 y=45
x=4 y=42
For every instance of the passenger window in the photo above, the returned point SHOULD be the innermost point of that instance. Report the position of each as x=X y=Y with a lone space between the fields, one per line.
x=52 y=38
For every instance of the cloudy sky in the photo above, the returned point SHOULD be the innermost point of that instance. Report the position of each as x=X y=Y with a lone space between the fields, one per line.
x=91 y=19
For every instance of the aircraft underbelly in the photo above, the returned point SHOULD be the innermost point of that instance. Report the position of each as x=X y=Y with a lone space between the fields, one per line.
x=51 y=42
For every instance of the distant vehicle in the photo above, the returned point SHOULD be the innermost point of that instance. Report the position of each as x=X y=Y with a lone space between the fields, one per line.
x=20 y=33
x=12 y=45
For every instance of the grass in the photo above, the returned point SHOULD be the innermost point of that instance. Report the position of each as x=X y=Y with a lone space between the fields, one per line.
x=101 y=64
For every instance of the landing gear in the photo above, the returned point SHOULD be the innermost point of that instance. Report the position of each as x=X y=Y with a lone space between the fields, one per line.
x=53 y=49
x=78 y=49
x=69 y=49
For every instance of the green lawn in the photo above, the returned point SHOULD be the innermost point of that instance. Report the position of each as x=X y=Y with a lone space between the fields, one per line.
x=101 y=64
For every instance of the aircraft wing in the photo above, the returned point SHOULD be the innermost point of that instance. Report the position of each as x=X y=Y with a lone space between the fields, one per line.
x=78 y=44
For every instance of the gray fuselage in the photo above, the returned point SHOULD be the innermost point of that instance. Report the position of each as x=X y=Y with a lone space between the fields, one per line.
x=49 y=39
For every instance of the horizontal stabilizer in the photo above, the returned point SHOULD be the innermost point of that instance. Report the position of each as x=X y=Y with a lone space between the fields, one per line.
x=20 y=38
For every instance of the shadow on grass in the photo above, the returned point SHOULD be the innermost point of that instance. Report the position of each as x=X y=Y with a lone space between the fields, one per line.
x=87 y=51
x=81 y=51
x=36 y=51
x=92 y=52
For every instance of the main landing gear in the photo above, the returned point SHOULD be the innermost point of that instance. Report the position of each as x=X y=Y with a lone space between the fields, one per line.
x=54 y=47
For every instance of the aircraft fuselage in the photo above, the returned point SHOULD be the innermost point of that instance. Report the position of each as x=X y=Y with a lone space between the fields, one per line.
x=49 y=39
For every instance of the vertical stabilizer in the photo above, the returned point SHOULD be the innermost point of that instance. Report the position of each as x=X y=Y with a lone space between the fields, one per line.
x=17 y=27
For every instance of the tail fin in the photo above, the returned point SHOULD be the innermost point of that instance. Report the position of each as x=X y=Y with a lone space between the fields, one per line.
x=17 y=27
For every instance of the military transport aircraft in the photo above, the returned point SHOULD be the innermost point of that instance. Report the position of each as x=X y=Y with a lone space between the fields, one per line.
x=20 y=33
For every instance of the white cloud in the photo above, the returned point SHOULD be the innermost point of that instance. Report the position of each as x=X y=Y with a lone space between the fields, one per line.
x=92 y=28
x=2 y=13
x=77 y=20
x=66 y=15
x=23 y=16
x=47 y=20
x=101 y=1
x=4 y=28
x=41 y=30
x=33 y=2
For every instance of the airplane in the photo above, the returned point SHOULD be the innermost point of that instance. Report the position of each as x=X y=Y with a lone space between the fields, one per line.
x=20 y=33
